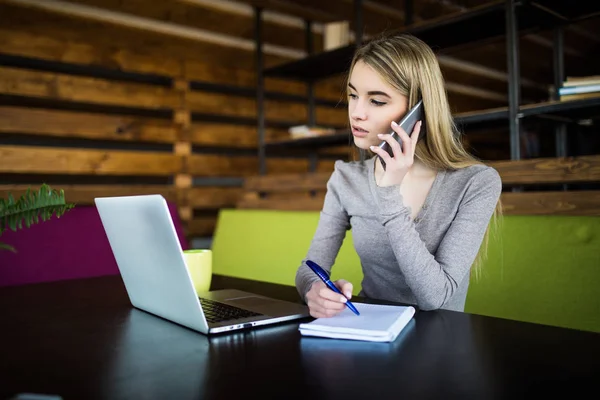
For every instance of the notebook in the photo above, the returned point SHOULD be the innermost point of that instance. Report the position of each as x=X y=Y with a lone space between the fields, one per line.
x=376 y=323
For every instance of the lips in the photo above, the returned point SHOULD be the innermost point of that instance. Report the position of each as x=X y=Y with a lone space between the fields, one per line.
x=357 y=131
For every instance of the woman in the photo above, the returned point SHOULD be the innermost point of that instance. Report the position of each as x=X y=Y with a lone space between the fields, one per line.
x=418 y=224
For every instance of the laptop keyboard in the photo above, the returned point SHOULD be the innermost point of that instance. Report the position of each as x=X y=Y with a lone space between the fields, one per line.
x=219 y=312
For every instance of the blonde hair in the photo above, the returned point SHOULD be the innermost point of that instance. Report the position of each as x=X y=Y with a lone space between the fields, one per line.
x=409 y=65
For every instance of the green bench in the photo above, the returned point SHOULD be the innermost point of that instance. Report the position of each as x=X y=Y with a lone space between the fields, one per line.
x=540 y=269
x=268 y=245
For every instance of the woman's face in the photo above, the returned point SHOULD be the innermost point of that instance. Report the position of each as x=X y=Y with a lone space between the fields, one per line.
x=372 y=105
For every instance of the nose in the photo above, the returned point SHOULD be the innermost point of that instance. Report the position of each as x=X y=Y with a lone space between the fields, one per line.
x=358 y=111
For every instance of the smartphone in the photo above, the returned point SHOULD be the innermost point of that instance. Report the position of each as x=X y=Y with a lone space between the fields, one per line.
x=408 y=124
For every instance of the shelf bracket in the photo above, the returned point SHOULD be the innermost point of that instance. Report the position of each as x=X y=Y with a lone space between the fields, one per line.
x=260 y=91
x=560 y=131
x=514 y=96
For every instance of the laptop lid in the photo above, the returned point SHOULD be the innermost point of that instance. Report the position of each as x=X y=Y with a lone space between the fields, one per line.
x=144 y=241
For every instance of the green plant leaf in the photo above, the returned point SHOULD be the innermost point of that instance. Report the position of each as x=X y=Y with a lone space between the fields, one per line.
x=4 y=246
x=32 y=205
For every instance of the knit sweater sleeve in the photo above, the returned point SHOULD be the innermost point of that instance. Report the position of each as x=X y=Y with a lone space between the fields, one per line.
x=328 y=238
x=433 y=278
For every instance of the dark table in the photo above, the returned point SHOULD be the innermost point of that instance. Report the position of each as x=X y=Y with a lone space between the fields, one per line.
x=82 y=339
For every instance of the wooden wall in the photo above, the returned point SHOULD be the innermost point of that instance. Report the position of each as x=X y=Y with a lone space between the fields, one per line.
x=136 y=96
x=103 y=110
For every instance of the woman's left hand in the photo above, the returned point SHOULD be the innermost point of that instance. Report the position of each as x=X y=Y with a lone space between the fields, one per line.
x=404 y=156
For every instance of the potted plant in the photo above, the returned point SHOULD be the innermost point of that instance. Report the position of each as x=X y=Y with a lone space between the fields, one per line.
x=29 y=208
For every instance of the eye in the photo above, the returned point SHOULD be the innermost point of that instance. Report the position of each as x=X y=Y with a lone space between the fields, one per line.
x=377 y=103
x=352 y=96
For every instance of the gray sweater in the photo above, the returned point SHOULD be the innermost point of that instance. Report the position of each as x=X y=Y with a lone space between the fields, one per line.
x=425 y=262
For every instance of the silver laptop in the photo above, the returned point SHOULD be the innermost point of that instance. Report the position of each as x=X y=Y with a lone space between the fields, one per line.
x=144 y=242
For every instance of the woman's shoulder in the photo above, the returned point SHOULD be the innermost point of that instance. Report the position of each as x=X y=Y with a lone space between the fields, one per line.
x=351 y=168
x=480 y=170
x=475 y=176
x=348 y=174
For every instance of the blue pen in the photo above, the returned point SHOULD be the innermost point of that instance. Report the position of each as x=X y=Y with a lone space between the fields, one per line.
x=321 y=273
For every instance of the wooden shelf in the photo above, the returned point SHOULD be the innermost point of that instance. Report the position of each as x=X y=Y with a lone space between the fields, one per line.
x=341 y=137
x=566 y=110
x=570 y=109
x=488 y=20
x=571 y=10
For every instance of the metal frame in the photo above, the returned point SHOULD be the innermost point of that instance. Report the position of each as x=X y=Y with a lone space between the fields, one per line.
x=514 y=79
x=560 y=130
x=310 y=92
x=408 y=12
x=260 y=91
x=358 y=22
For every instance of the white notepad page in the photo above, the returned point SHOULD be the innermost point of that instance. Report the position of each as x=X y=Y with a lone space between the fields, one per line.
x=376 y=323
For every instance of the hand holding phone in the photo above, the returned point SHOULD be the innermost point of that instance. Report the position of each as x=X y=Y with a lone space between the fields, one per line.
x=407 y=123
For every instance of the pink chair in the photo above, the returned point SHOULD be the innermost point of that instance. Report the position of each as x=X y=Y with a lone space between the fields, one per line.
x=69 y=247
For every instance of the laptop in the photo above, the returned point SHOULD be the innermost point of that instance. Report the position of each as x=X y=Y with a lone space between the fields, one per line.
x=150 y=259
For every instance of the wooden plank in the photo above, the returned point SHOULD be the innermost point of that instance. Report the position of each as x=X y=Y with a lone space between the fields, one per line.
x=301 y=204
x=213 y=197
x=104 y=32
x=209 y=18
x=244 y=77
x=216 y=165
x=33 y=121
x=124 y=128
x=22 y=82
x=276 y=166
x=341 y=151
x=76 y=51
x=332 y=116
x=222 y=104
x=549 y=170
x=240 y=166
x=201 y=226
x=572 y=203
x=287 y=182
x=333 y=88
x=286 y=111
x=209 y=134
x=219 y=74
x=79 y=51
x=46 y=160
x=85 y=194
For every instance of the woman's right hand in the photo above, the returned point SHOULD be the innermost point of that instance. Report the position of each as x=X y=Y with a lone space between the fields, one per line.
x=324 y=302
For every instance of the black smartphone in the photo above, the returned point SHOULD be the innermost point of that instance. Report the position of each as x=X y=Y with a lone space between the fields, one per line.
x=408 y=124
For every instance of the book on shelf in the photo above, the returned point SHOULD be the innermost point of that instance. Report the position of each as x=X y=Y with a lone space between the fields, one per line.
x=582 y=80
x=579 y=96
x=580 y=87
x=302 y=131
x=336 y=34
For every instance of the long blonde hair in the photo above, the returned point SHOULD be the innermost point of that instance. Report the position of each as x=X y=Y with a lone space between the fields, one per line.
x=409 y=65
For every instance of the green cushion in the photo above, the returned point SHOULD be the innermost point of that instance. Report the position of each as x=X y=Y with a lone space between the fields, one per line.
x=268 y=245
x=542 y=269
